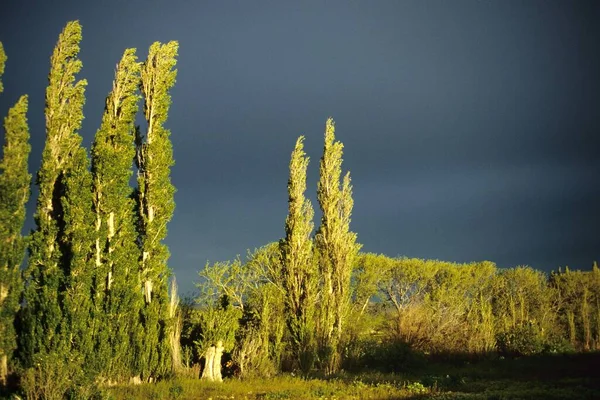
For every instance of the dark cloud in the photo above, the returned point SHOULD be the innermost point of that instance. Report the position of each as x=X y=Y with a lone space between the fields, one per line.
x=470 y=127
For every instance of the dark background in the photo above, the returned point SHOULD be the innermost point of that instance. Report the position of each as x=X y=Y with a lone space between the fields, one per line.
x=470 y=127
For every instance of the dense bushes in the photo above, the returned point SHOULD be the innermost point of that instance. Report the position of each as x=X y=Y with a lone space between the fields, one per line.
x=407 y=310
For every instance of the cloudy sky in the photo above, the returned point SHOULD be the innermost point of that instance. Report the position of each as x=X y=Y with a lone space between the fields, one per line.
x=470 y=127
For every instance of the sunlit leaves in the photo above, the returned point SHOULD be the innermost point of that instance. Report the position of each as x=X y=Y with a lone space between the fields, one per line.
x=15 y=183
x=299 y=273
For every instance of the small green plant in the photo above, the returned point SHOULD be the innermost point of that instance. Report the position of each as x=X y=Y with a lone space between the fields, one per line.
x=416 y=388
x=175 y=391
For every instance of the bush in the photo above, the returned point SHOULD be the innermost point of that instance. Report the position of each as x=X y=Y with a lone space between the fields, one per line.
x=560 y=345
x=56 y=378
x=522 y=340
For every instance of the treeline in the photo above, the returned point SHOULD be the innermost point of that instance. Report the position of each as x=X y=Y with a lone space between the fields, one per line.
x=401 y=312
x=92 y=304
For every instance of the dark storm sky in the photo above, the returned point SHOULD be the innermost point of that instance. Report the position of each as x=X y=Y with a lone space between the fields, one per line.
x=470 y=127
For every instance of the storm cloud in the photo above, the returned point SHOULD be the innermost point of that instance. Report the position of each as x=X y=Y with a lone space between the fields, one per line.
x=470 y=127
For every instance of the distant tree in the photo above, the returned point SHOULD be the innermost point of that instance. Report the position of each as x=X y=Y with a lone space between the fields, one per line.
x=576 y=306
x=520 y=296
x=337 y=248
x=15 y=183
x=2 y=65
x=261 y=344
x=117 y=295
x=155 y=203
x=369 y=274
x=298 y=272
x=56 y=296
x=458 y=316
x=522 y=310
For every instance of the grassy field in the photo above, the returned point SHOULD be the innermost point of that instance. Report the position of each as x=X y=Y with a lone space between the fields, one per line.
x=544 y=377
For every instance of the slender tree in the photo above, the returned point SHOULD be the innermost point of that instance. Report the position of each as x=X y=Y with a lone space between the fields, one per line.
x=76 y=240
x=3 y=59
x=155 y=205
x=55 y=282
x=337 y=248
x=2 y=64
x=15 y=183
x=299 y=274
x=117 y=299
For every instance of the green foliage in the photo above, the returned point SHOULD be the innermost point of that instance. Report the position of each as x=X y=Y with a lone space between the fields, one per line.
x=336 y=249
x=155 y=204
x=520 y=295
x=56 y=276
x=259 y=343
x=298 y=272
x=3 y=59
x=440 y=306
x=522 y=340
x=117 y=296
x=76 y=242
x=576 y=301
x=368 y=271
x=242 y=305
x=56 y=379
x=219 y=321
x=14 y=193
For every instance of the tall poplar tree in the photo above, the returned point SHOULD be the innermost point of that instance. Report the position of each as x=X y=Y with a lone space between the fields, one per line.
x=15 y=183
x=116 y=287
x=155 y=205
x=336 y=246
x=299 y=273
x=2 y=65
x=56 y=275
x=76 y=239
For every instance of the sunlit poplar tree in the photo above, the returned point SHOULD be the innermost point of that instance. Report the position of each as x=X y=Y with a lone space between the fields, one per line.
x=155 y=196
x=15 y=183
x=56 y=293
x=299 y=273
x=117 y=294
x=337 y=247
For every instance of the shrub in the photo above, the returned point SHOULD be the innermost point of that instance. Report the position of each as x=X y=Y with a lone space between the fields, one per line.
x=57 y=378
x=522 y=340
x=557 y=344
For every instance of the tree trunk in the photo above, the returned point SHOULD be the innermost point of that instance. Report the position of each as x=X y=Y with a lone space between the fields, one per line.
x=207 y=374
x=217 y=377
x=212 y=368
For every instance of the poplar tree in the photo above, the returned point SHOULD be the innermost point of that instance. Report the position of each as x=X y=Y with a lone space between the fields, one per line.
x=299 y=274
x=56 y=277
x=2 y=65
x=75 y=240
x=14 y=194
x=336 y=246
x=117 y=294
x=155 y=195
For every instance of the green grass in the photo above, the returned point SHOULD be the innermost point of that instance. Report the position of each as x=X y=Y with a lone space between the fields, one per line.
x=544 y=377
